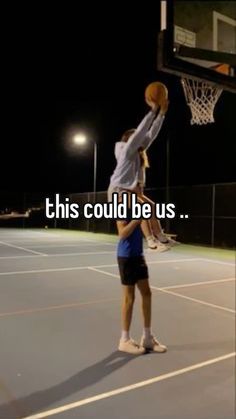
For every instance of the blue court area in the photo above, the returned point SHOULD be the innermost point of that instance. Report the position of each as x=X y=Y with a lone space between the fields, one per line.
x=60 y=299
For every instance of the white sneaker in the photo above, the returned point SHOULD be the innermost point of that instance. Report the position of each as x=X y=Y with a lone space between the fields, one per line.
x=162 y=238
x=151 y=242
x=172 y=242
x=153 y=344
x=161 y=247
x=131 y=347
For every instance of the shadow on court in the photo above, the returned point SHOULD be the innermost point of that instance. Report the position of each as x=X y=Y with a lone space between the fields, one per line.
x=38 y=401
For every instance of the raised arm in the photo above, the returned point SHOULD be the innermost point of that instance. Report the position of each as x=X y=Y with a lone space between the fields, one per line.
x=156 y=126
x=136 y=139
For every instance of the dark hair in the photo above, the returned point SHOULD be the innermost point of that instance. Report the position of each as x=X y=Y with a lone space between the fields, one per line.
x=127 y=134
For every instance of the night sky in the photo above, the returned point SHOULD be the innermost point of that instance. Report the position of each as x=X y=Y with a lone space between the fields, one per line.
x=73 y=69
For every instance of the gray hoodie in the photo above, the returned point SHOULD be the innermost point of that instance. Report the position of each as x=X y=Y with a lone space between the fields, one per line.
x=128 y=171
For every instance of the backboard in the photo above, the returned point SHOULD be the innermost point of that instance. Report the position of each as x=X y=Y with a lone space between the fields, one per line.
x=198 y=39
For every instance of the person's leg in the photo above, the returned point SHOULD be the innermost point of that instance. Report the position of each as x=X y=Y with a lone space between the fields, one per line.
x=128 y=298
x=162 y=237
x=153 y=233
x=146 y=295
x=157 y=229
x=155 y=223
x=126 y=343
x=147 y=232
x=148 y=341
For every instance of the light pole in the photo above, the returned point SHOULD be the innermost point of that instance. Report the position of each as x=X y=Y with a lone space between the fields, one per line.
x=94 y=170
x=80 y=139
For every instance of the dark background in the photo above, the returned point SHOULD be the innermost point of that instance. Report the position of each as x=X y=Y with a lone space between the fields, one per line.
x=71 y=68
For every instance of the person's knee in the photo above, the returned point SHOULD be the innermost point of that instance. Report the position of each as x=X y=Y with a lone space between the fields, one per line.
x=129 y=299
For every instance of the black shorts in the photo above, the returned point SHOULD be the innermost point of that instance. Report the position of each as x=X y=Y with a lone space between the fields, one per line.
x=132 y=269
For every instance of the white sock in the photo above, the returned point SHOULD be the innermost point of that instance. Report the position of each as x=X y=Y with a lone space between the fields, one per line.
x=125 y=335
x=149 y=237
x=147 y=332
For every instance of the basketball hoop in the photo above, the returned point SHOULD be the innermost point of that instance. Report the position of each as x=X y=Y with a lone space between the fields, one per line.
x=202 y=97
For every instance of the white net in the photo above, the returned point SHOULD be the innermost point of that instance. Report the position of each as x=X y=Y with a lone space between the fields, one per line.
x=201 y=97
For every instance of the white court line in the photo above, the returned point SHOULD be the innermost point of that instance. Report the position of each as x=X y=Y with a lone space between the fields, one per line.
x=23 y=248
x=195 y=300
x=199 y=283
x=75 y=268
x=131 y=387
x=35 y=271
x=105 y=252
x=46 y=239
x=38 y=254
x=91 y=268
x=218 y=261
x=58 y=254
x=77 y=244
x=165 y=289
x=21 y=257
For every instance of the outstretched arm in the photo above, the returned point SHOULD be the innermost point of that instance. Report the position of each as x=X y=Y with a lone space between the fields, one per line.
x=156 y=126
x=136 y=139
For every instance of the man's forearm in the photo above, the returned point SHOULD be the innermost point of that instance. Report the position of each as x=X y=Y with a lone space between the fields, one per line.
x=128 y=229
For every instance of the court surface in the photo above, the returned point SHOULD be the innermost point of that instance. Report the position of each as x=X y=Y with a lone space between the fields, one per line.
x=60 y=326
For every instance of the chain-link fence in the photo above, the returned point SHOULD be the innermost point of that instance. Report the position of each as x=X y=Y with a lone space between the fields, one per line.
x=211 y=210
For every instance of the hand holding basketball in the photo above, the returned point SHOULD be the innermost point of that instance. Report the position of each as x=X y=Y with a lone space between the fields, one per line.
x=156 y=95
x=154 y=106
x=164 y=106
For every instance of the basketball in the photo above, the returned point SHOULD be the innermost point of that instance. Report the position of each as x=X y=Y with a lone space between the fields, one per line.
x=156 y=92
